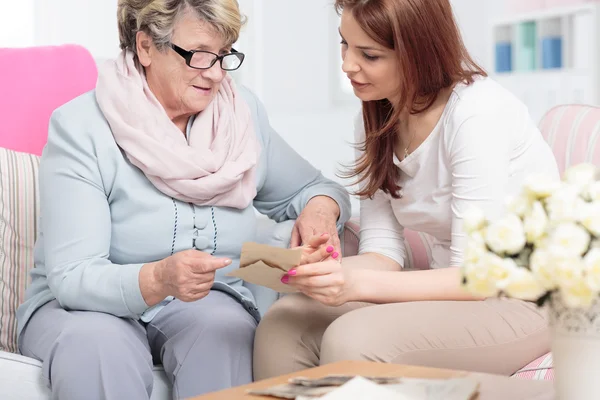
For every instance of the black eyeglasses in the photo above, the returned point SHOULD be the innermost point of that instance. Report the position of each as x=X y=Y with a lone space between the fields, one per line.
x=200 y=59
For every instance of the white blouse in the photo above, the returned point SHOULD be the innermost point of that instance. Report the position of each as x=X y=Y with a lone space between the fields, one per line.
x=481 y=150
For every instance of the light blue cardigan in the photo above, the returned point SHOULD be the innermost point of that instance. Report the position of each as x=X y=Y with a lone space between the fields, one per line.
x=101 y=219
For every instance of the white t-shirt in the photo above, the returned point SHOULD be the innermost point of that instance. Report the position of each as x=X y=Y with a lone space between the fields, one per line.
x=481 y=150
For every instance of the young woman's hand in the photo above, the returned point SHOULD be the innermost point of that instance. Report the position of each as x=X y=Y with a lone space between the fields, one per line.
x=326 y=282
x=318 y=249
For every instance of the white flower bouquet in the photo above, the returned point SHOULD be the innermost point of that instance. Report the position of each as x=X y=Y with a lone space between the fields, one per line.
x=548 y=241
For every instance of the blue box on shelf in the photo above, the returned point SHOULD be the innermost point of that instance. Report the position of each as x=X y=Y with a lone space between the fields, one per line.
x=526 y=46
x=551 y=52
x=503 y=57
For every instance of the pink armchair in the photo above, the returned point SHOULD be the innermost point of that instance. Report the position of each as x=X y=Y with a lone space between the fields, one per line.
x=572 y=131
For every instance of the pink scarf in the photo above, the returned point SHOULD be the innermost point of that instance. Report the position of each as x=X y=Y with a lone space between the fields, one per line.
x=218 y=165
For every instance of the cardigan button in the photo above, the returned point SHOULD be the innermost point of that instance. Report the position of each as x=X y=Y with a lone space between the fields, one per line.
x=201 y=243
x=201 y=223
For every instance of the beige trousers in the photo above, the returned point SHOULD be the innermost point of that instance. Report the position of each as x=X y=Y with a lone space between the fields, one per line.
x=496 y=335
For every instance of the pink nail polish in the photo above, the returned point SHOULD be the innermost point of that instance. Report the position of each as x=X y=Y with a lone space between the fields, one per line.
x=285 y=279
x=292 y=272
x=329 y=249
x=335 y=255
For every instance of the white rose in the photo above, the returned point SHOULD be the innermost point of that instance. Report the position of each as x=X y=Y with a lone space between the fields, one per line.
x=475 y=248
x=581 y=175
x=506 y=235
x=542 y=266
x=589 y=217
x=521 y=284
x=592 y=192
x=519 y=205
x=540 y=186
x=473 y=220
x=564 y=204
x=568 y=270
x=569 y=239
x=535 y=223
x=482 y=277
x=578 y=294
x=591 y=267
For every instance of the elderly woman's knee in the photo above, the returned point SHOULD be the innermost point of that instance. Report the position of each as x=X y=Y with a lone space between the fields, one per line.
x=233 y=326
x=107 y=335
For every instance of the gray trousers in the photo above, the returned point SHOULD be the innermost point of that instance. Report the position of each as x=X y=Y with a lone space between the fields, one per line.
x=204 y=346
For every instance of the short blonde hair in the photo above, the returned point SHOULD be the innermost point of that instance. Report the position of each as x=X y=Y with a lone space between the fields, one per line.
x=158 y=17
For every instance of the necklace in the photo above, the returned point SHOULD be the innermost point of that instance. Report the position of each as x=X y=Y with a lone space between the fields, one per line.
x=406 y=153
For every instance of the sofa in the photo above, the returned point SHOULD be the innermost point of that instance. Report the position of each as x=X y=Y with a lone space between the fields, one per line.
x=35 y=81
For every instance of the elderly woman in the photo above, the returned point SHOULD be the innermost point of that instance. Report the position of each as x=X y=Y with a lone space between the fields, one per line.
x=148 y=188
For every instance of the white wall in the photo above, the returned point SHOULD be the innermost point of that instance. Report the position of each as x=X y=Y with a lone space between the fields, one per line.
x=90 y=23
x=17 y=23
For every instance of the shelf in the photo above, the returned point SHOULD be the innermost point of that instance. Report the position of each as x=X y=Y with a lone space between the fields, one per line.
x=556 y=38
x=553 y=55
x=562 y=72
x=557 y=12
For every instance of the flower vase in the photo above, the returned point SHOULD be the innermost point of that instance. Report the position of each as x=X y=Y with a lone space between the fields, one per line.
x=575 y=349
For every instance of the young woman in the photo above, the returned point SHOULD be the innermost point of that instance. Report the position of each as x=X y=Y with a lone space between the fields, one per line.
x=436 y=137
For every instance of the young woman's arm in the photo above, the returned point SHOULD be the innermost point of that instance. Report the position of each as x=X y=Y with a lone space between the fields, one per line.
x=374 y=278
x=478 y=156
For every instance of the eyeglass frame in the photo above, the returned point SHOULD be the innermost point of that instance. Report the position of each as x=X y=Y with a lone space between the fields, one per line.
x=188 y=54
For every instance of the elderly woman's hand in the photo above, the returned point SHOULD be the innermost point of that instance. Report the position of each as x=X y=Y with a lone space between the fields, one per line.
x=326 y=282
x=317 y=218
x=188 y=276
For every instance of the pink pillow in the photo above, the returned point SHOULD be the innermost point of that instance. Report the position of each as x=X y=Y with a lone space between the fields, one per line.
x=35 y=81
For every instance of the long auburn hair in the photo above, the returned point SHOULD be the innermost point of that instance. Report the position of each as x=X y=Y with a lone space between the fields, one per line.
x=432 y=57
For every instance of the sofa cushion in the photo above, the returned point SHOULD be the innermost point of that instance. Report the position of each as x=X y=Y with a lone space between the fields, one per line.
x=19 y=205
x=21 y=378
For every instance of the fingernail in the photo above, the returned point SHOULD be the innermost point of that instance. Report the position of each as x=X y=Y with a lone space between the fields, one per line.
x=335 y=255
x=323 y=234
x=329 y=249
x=292 y=272
x=227 y=262
x=285 y=279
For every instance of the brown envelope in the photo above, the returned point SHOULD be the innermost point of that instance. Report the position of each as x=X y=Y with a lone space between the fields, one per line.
x=265 y=265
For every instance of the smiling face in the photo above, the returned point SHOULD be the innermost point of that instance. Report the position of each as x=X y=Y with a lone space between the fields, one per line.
x=372 y=68
x=182 y=90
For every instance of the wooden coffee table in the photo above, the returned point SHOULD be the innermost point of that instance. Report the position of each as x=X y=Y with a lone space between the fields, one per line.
x=492 y=387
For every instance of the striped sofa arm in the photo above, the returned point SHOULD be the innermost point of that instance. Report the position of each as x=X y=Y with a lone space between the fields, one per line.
x=418 y=245
x=539 y=369
x=572 y=131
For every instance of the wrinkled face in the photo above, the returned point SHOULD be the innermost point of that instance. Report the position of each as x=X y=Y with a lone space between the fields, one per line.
x=372 y=68
x=183 y=90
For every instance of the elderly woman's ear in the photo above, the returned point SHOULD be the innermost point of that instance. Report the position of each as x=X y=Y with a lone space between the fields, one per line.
x=144 y=48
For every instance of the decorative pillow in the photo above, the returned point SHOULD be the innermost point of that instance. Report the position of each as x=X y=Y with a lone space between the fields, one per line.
x=350 y=237
x=19 y=205
x=540 y=369
x=417 y=244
